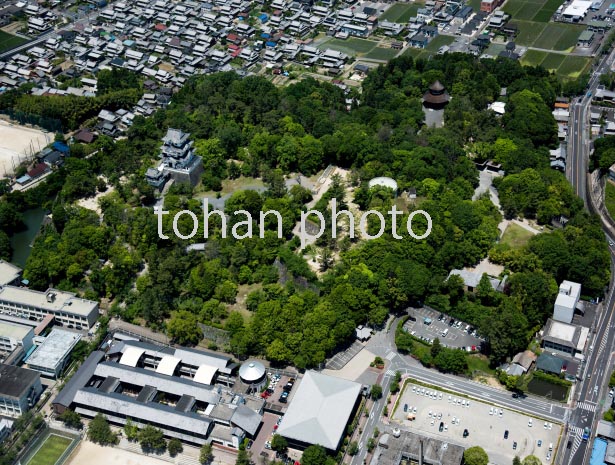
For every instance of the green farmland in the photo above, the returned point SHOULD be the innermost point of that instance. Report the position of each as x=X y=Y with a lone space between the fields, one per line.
x=565 y=66
x=539 y=11
x=401 y=12
x=551 y=36
x=9 y=41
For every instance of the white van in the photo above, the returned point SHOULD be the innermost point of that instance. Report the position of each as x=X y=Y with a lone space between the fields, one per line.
x=550 y=447
x=444 y=333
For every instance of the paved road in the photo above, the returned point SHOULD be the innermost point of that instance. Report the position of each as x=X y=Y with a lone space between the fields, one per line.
x=592 y=390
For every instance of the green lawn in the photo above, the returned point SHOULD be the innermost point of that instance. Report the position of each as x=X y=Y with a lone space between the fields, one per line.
x=609 y=198
x=380 y=53
x=495 y=49
x=51 y=450
x=438 y=42
x=475 y=4
x=479 y=363
x=401 y=12
x=9 y=41
x=351 y=46
x=515 y=236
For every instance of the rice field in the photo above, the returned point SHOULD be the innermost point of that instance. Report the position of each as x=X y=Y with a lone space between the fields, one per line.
x=351 y=46
x=550 y=36
x=532 y=10
x=565 y=66
x=401 y=12
x=9 y=41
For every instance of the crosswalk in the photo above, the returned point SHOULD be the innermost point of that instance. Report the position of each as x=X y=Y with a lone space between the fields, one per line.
x=577 y=433
x=391 y=355
x=390 y=373
x=604 y=341
x=589 y=406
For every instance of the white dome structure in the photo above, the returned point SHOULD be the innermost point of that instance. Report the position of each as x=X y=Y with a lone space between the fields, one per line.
x=252 y=372
x=383 y=182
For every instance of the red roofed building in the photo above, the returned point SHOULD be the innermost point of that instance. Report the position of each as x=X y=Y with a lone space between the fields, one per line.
x=233 y=38
x=160 y=27
x=38 y=170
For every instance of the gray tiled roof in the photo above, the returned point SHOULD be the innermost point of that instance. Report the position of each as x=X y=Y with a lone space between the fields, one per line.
x=79 y=379
x=320 y=410
x=247 y=419
x=151 y=412
x=164 y=383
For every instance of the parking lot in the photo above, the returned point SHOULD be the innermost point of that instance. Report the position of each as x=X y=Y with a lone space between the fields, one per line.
x=456 y=336
x=486 y=425
x=339 y=360
x=276 y=389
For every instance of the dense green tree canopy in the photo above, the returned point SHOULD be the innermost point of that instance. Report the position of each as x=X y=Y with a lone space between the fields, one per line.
x=475 y=456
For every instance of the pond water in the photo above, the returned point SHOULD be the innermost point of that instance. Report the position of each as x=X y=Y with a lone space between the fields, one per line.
x=546 y=389
x=22 y=241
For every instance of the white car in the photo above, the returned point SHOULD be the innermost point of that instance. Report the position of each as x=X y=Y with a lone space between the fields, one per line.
x=432 y=423
x=611 y=393
x=490 y=410
x=546 y=425
x=501 y=413
x=414 y=410
x=439 y=416
x=439 y=396
x=550 y=425
x=413 y=388
x=463 y=403
x=458 y=401
x=445 y=427
x=431 y=414
x=449 y=399
x=468 y=404
x=529 y=423
x=454 y=420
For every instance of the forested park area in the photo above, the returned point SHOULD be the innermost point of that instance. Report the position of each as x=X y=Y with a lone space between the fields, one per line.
x=247 y=127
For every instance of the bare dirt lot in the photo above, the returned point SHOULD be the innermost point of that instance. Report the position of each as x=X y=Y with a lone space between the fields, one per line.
x=485 y=429
x=18 y=142
x=88 y=453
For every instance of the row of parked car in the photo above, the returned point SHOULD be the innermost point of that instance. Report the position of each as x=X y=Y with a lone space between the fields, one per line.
x=458 y=325
x=275 y=378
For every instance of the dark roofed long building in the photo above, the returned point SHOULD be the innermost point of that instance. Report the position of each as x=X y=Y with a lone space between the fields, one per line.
x=170 y=388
